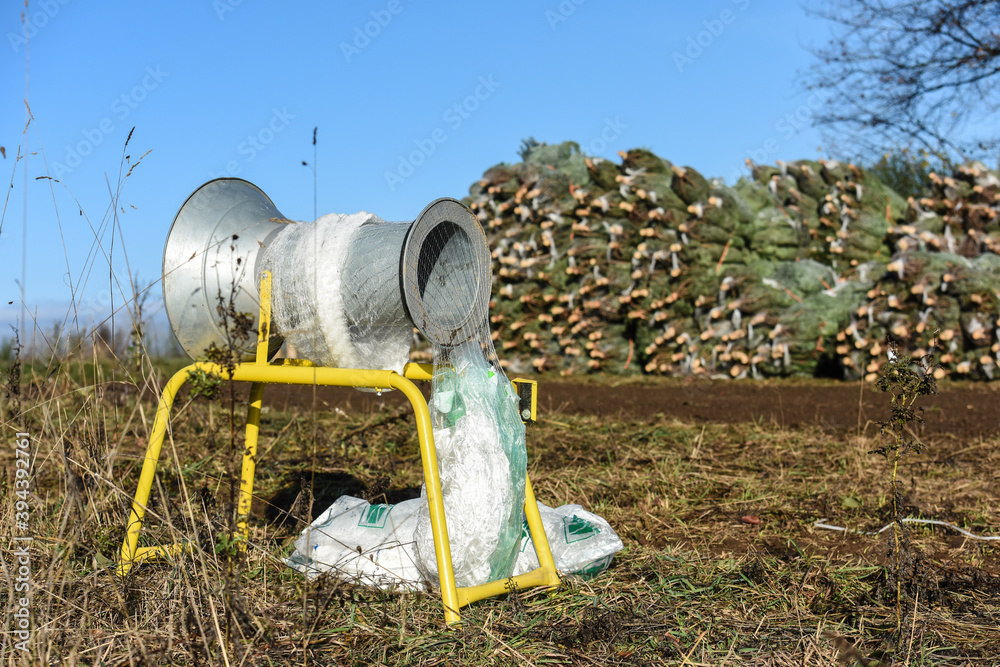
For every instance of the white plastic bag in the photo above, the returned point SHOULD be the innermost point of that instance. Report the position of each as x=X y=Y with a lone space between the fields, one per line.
x=374 y=544
x=362 y=543
x=581 y=542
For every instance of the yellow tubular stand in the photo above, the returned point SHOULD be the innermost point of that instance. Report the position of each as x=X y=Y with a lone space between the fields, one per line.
x=259 y=373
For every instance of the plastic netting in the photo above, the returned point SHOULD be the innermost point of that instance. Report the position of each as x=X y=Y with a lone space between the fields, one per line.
x=481 y=453
x=349 y=291
x=321 y=305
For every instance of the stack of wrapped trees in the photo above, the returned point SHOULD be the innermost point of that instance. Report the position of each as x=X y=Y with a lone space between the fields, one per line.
x=807 y=268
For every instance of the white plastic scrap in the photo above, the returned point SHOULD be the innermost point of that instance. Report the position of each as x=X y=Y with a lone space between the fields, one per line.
x=928 y=522
x=374 y=545
x=357 y=541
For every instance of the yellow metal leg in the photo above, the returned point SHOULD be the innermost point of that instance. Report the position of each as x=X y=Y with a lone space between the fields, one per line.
x=452 y=597
x=249 y=464
x=303 y=373
x=435 y=501
x=538 y=537
x=544 y=575
x=130 y=553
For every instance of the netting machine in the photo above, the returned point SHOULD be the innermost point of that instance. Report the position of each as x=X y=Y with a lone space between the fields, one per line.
x=433 y=274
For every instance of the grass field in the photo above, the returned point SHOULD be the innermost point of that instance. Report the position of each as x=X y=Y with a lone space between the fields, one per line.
x=722 y=565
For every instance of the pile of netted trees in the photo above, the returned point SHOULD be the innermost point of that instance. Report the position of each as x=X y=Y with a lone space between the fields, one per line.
x=807 y=268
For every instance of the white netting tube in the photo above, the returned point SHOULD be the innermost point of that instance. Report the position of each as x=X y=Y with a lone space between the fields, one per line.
x=314 y=310
x=347 y=291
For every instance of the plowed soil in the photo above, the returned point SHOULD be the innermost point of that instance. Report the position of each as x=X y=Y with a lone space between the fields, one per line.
x=969 y=410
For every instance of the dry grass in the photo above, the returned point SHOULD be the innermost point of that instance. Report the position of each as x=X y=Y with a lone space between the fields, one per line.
x=700 y=582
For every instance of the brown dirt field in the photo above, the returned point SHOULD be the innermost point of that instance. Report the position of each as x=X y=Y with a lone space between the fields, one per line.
x=961 y=410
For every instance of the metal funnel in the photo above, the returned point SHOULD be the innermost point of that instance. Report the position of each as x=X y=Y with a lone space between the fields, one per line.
x=433 y=273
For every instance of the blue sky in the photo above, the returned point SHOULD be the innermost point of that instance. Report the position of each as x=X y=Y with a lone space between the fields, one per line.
x=413 y=101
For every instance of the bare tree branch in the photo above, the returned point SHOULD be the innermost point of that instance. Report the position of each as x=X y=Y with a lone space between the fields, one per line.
x=904 y=72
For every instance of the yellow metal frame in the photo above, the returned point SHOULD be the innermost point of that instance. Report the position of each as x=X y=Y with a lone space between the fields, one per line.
x=290 y=371
x=532 y=387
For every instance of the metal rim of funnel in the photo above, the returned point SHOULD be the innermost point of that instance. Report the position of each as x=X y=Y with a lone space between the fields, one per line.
x=185 y=257
x=453 y=217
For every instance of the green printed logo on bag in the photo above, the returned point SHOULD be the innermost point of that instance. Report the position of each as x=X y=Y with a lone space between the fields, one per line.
x=374 y=516
x=576 y=529
x=598 y=566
